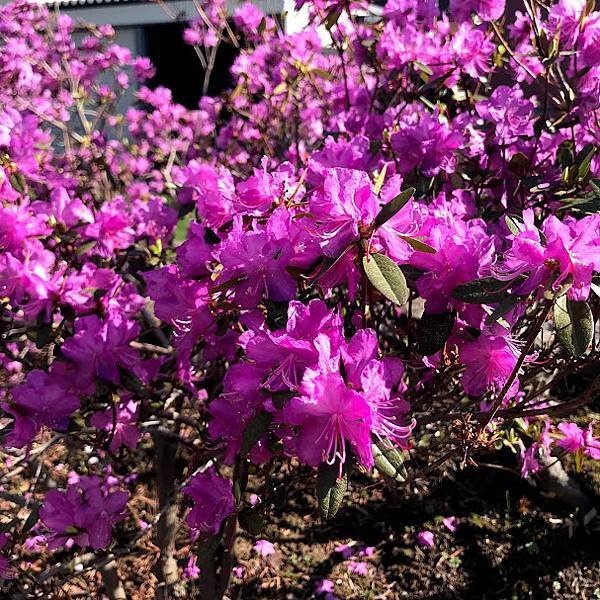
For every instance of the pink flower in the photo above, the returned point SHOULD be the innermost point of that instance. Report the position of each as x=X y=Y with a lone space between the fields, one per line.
x=239 y=572
x=489 y=362
x=345 y=203
x=426 y=539
x=358 y=568
x=83 y=514
x=573 y=437
x=324 y=586
x=258 y=260
x=191 y=571
x=99 y=347
x=120 y=422
x=346 y=550
x=329 y=416
x=110 y=230
x=428 y=145
x=213 y=502
x=264 y=548
x=450 y=523
x=42 y=400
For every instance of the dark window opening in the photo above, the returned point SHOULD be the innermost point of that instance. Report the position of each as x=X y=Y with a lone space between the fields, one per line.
x=178 y=67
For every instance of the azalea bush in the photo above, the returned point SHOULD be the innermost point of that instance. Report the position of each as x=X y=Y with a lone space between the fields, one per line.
x=375 y=255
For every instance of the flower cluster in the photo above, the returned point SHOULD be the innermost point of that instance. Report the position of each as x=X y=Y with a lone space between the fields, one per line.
x=367 y=239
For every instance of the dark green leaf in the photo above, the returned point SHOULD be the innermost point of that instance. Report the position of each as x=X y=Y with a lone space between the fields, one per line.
x=393 y=206
x=8 y=526
x=44 y=335
x=251 y=520
x=574 y=324
x=386 y=276
x=585 y=159
x=330 y=489
x=418 y=244
x=505 y=306
x=333 y=16
x=481 y=291
x=433 y=331
x=257 y=427
x=18 y=182
x=277 y=314
x=595 y=183
x=31 y=520
x=388 y=459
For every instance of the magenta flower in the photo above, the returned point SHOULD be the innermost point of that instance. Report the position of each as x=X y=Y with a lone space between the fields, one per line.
x=213 y=502
x=110 y=230
x=344 y=205
x=42 y=400
x=120 y=423
x=258 y=260
x=264 y=548
x=488 y=10
x=358 y=568
x=509 y=111
x=571 y=249
x=192 y=570
x=450 y=523
x=576 y=439
x=330 y=415
x=99 y=347
x=464 y=252
x=324 y=586
x=489 y=362
x=428 y=145
x=426 y=539
x=212 y=190
x=84 y=514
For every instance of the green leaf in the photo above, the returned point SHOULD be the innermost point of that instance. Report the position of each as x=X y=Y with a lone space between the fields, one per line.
x=574 y=324
x=388 y=459
x=8 y=526
x=85 y=247
x=423 y=67
x=333 y=16
x=481 y=291
x=386 y=276
x=584 y=160
x=380 y=179
x=513 y=223
x=595 y=183
x=257 y=427
x=393 y=206
x=277 y=314
x=251 y=520
x=505 y=305
x=433 y=331
x=323 y=73
x=31 y=520
x=418 y=244
x=330 y=489
x=182 y=228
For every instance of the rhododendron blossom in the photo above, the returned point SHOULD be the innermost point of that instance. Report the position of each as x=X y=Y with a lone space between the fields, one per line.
x=367 y=254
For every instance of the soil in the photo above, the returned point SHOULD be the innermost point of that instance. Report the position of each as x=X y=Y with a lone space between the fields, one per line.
x=511 y=542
